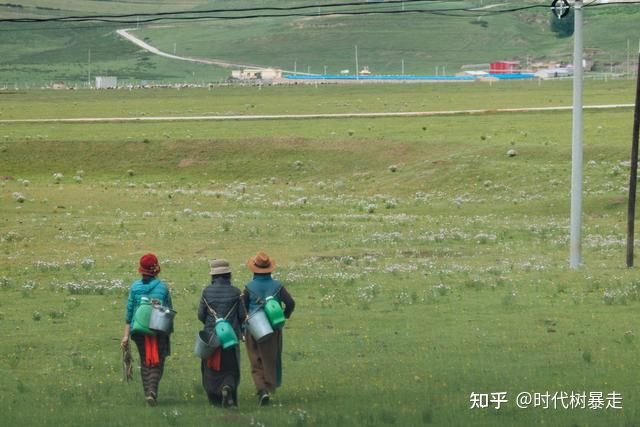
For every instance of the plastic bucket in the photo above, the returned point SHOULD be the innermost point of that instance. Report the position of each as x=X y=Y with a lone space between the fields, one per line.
x=225 y=334
x=259 y=326
x=141 y=318
x=205 y=344
x=273 y=310
x=161 y=319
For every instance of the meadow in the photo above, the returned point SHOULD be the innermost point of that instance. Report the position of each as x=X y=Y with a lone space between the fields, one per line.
x=427 y=264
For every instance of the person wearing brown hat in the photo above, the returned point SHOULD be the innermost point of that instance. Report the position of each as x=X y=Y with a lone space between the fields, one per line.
x=153 y=348
x=265 y=356
x=221 y=300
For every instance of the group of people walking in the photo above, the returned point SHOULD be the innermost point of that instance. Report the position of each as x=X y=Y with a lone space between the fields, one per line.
x=220 y=300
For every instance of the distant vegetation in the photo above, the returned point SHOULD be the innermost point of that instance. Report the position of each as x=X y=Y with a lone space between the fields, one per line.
x=35 y=54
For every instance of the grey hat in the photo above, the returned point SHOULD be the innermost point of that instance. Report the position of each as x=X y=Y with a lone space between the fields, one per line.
x=219 y=266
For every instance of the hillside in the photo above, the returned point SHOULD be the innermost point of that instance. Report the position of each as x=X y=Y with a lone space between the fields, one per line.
x=39 y=53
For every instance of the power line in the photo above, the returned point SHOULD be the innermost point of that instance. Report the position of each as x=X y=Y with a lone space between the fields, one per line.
x=267 y=12
x=594 y=4
x=357 y=8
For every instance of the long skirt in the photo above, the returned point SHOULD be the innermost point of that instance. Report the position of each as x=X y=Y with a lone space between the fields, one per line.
x=151 y=375
x=228 y=375
x=266 y=361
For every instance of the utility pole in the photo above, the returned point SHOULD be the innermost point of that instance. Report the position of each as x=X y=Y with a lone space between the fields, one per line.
x=628 y=62
x=633 y=175
x=575 y=258
x=89 y=72
x=357 y=69
x=403 y=66
x=611 y=63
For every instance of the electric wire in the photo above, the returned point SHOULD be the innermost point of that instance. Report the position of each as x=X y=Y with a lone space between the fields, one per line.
x=300 y=11
x=331 y=9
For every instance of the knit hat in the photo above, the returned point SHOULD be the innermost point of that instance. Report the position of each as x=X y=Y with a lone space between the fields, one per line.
x=261 y=263
x=149 y=265
x=219 y=266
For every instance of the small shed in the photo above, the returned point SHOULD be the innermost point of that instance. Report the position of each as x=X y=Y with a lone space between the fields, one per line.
x=270 y=74
x=106 y=82
x=504 y=67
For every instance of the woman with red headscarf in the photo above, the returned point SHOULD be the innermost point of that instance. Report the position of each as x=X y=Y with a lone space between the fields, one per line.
x=152 y=348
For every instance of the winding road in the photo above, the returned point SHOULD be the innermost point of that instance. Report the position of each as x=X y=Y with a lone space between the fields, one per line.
x=125 y=32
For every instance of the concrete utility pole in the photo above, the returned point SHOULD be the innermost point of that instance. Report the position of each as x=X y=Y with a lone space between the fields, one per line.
x=357 y=69
x=575 y=258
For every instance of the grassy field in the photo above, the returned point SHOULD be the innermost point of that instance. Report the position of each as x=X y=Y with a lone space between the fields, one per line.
x=37 y=54
x=427 y=264
x=301 y=100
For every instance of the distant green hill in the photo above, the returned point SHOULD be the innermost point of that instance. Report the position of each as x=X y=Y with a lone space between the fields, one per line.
x=36 y=54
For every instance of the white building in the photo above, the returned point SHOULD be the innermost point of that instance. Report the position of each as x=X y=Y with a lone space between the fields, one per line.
x=264 y=74
x=550 y=73
x=103 y=82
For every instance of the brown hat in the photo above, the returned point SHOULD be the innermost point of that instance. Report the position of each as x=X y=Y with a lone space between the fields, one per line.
x=219 y=266
x=261 y=263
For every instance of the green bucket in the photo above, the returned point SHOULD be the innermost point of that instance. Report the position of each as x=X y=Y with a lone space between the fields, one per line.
x=274 y=312
x=226 y=336
x=140 y=322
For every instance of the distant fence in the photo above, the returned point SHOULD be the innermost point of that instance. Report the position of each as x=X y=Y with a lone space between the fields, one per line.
x=402 y=78
x=372 y=77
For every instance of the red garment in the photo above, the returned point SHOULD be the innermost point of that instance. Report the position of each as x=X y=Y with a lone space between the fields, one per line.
x=215 y=360
x=149 y=265
x=152 y=358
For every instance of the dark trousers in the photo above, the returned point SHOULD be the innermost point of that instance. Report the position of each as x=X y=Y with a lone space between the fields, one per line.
x=151 y=376
x=228 y=375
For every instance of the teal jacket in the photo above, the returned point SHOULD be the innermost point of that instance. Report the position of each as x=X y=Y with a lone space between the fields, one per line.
x=263 y=286
x=155 y=289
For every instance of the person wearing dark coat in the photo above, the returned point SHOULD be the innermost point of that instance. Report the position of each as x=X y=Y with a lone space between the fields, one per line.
x=265 y=356
x=221 y=371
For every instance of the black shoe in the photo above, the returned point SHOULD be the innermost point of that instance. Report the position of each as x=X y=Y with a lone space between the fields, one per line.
x=227 y=399
x=263 y=398
x=151 y=399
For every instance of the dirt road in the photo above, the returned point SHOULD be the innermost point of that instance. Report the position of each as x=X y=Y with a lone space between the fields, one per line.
x=314 y=116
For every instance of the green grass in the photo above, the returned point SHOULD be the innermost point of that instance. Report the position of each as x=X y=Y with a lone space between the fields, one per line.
x=414 y=288
x=323 y=99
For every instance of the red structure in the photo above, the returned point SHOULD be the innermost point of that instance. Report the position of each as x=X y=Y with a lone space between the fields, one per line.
x=504 y=67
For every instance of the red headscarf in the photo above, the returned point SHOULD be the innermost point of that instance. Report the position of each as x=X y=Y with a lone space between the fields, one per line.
x=149 y=265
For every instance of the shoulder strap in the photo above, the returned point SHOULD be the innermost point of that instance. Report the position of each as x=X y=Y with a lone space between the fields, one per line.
x=255 y=295
x=211 y=310
x=215 y=314
x=277 y=290
x=259 y=300
x=231 y=310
